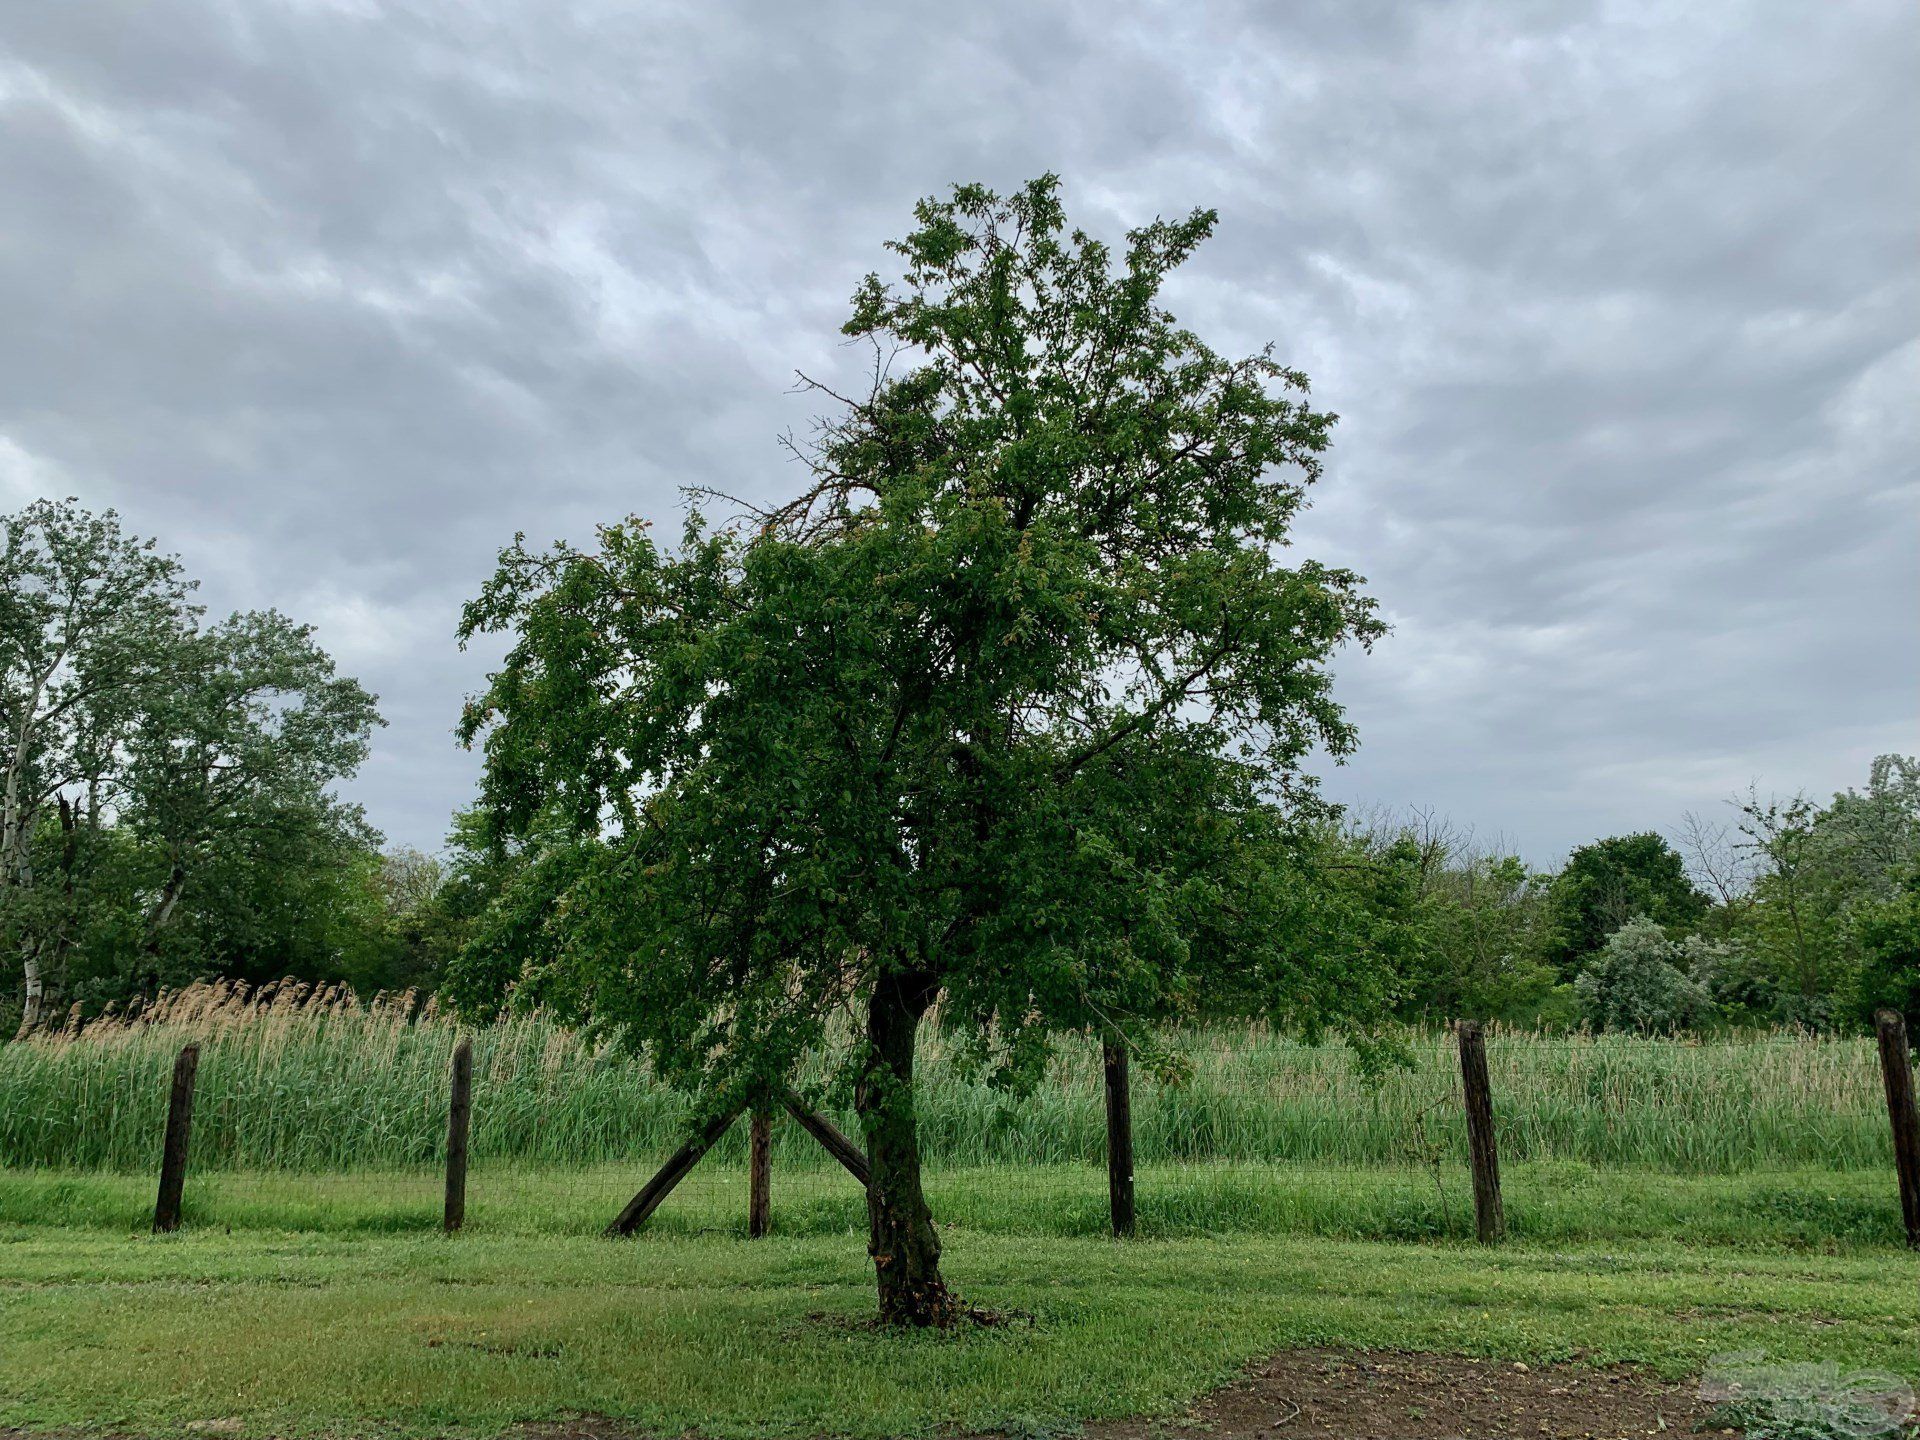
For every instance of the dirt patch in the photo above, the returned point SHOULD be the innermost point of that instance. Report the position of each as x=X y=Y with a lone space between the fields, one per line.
x=1380 y=1395
x=1392 y=1395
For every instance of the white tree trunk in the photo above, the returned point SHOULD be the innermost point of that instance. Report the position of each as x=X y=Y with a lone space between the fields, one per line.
x=36 y=991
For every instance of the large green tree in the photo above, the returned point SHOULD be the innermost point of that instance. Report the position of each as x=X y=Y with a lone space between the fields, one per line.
x=1607 y=883
x=166 y=809
x=1004 y=709
x=90 y=620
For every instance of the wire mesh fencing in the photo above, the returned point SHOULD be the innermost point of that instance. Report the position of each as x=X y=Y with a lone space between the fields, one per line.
x=313 y=1110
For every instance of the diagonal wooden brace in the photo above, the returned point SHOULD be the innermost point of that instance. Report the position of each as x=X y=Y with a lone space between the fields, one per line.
x=670 y=1175
x=829 y=1136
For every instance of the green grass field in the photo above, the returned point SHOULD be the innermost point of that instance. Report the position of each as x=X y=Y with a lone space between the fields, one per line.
x=1837 y=1212
x=265 y=1332
x=301 y=1304
x=1667 y=1202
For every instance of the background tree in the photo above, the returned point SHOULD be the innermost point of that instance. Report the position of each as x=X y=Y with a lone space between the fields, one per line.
x=1643 y=980
x=1607 y=883
x=167 y=809
x=1819 y=871
x=999 y=710
x=89 y=620
x=237 y=748
x=1480 y=923
x=1723 y=869
x=1488 y=930
x=1885 y=933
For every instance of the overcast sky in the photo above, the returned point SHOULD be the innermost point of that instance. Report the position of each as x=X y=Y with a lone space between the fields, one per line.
x=1619 y=305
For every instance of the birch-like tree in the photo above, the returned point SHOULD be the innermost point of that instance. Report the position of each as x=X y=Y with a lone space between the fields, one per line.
x=90 y=619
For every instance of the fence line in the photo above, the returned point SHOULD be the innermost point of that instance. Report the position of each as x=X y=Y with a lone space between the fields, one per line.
x=1477 y=1110
x=338 y=1085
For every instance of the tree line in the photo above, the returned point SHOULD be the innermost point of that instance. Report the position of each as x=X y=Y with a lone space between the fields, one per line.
x=165 y=779
x=1781 y=913
x=168 y=817
x=165 y=823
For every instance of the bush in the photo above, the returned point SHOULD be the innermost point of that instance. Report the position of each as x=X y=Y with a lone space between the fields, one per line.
x=1641 y=980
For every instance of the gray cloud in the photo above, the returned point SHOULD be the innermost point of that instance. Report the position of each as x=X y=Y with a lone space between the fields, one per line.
x=1617 y=302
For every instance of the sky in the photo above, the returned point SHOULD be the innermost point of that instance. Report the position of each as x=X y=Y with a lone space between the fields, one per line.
x=1619 y=305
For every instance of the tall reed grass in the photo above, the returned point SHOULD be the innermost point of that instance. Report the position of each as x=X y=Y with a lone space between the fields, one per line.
x=295 y=1079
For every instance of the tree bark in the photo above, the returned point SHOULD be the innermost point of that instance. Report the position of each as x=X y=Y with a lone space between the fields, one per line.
x=35 y=990
x=18 y=878
x=905 y=1249
x=161 y=915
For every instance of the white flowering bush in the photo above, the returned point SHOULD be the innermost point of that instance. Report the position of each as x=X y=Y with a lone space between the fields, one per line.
x=1642 y=980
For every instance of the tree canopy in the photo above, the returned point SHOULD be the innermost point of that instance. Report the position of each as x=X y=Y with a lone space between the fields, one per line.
x=166 y=809
x=1607 y=883
x=1004 y=708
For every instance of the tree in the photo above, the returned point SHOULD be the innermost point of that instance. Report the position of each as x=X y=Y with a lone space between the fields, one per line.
x=1607 y=883
x=240 y=744
x=1480 y=917
x=1722 y=868
x=90 y=619
x=1486 y=927
x=1817 y=869
x=1642 y=980
x=147 y=754
x=1873 y=836
x=1001 y=709
x=1885 y=932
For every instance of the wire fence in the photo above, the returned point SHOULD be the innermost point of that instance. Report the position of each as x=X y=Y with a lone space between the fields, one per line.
x=314 y=1110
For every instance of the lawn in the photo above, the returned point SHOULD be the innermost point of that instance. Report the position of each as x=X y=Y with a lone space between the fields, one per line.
x=1547 y=1202
x=374 y=1324
x=1667 y=1201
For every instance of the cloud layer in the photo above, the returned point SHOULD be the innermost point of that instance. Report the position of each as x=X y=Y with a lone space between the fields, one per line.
x=1618 y=303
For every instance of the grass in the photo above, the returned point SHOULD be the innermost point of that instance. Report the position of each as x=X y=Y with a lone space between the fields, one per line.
x=307 y=1083
x=266 y=1332
x=1547 y=1202
x=1668 y=1201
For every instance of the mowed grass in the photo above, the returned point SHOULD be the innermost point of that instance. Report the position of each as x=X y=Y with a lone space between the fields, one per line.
x=1836 y=1212
x=279 y=1333
x=1668 y=1201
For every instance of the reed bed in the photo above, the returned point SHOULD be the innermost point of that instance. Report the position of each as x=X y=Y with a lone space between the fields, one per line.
x=295 y=1079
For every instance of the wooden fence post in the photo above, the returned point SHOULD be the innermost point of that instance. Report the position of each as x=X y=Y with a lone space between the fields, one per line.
x=1113 y=1052
x=173 y=1153
x=1489 y=1216
x=759 y=1173
x=1896 y=1069
x=459 y=1121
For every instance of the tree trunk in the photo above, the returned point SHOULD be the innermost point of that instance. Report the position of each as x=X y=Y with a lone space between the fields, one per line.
x=161 y=916
x=18 y=879
x=905 y=1249
x=36 y=989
